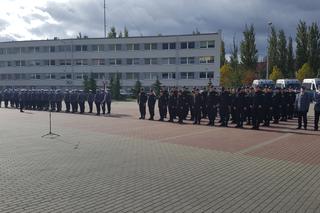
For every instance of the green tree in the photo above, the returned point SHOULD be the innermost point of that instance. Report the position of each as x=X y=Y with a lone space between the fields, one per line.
x=248 y=50
x=223 y=54
x=305 y=72
x=137 y=88
x=89 y=83
x=290 y=60
x=275 y=74
x=86 y=84
x=157 y=86
x=112 y=33
x=314 y=47
x=234 y=61
x=302 y=44
x=115 y=87
x=225 y=76
x=273 y=54
x=282 y=52
x=126 y=32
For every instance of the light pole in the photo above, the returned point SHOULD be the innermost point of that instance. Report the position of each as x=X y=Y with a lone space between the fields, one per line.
x=267 y=73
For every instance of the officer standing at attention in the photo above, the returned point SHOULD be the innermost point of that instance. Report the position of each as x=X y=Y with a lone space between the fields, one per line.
x=74 y=101
x=108 y=100
x=197 y=106
x=267 y=106
x=172 y=105
x=224 y=107
x=103 y=102
x=162 y=104
x=59 y=98
x=258 y=102
x=82 y=99
x=302 y=105
x=239 y=105
x=151 y=104
x=97 y=100
x=142 y=100
x=212 y=105
x=67 y=100
x=90 y=100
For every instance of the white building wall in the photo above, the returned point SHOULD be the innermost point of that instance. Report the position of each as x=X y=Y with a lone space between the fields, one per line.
x=8 y=74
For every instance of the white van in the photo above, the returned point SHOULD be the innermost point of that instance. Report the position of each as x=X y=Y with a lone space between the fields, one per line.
x=288 y=83
x=312 y=84
x=263 y=83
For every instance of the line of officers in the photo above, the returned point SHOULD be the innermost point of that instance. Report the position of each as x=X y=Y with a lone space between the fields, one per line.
x=45 y=100
x=250 y=106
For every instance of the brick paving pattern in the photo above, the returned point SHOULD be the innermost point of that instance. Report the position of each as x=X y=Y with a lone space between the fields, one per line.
x=122 y=164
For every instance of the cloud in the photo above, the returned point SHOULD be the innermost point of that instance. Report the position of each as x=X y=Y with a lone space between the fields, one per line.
x=66 y=18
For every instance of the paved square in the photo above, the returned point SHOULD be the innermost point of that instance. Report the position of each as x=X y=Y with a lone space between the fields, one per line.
x=122 y=164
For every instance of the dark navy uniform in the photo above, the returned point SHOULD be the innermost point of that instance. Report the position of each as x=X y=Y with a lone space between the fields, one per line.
x=151 y=104
x=142 y=100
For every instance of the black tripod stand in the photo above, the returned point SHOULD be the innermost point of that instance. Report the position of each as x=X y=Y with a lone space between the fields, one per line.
x=52 y=134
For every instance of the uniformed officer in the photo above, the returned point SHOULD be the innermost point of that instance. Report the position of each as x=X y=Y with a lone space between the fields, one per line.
x=103 y=102
x=142 y=100
x=90 y=100
x=267 y=106
x=180 y=106
x=162 y=104
x=276 y=101
x=197 y=106
x=258 y=101
x=82 y=99
x=67 y=100
x=172 y=105
x=74 y=101
x=108 y=100
x=212 y=105
x=224 y=108
x=239 y=107
x=98 y=98
x=152 y=98
x=59 y=98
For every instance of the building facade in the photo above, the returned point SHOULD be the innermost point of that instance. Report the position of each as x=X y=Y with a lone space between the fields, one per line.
x=178 y=60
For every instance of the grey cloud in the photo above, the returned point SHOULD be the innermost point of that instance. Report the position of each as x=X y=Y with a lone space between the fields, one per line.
x=3 y=24
x=150 y=17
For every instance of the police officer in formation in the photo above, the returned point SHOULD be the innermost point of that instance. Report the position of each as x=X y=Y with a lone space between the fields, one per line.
x=250 y=106
x=44 y=100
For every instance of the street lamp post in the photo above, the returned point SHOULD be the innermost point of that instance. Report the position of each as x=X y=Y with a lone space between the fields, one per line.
x=267 y=73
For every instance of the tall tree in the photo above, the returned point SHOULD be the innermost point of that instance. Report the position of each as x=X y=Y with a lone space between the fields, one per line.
x=302 y=44
x=157 y=86
x=273 y=55
x=282 y=51
x=126 y=32
x=112 y=33
x=120 y=35
x=234 y=61
x=304 y=72
x=290 y=60
x=275 y=74
x=223 y=54
x=314 y=48
x=248 y=50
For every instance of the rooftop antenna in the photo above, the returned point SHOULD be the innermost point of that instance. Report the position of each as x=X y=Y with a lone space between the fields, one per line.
x=104 y=19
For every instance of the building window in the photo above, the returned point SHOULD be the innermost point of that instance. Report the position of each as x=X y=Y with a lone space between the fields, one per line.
x=62 y=62
x=97 y=48
x=206 y=60
x=79 y=76
x=84 y=48
x=206 y=75
x=52 y=62
x=2 y=51
x=169 y=75
x=17 y=63
x=172 y=46
x=150 y=46
x=113 y=61
x=78 y=48
x=52 y=49
x=132 y=47
x=184 y=60
x=84 y=61
x=133 y=61
x=187 y=75
x=165 y=46
x=68 y=76
x=132 y=76
x=187 y=45
x=78 y=62
x=149 y=61
x=207 y=44
x=98 y=62
x=184 y=45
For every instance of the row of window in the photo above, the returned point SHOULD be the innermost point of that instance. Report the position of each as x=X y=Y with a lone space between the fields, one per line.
x=111 y=61
x=110 y=47
x=102 y=76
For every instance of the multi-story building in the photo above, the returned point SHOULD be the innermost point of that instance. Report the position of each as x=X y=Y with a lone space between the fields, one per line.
x=177 y=60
